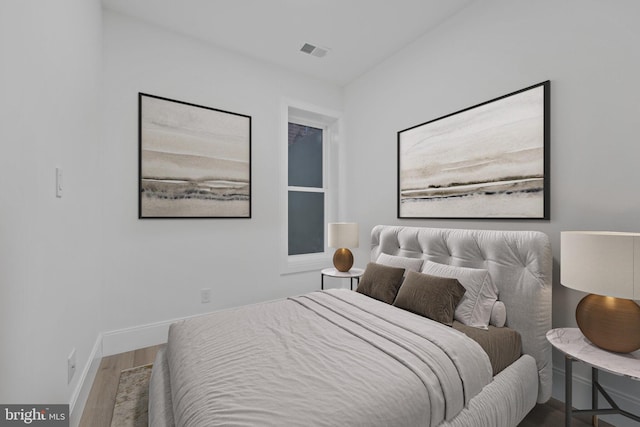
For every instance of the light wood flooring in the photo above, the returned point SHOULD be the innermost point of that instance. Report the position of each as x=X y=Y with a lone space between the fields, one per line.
x=99 y=406
x=102 y=398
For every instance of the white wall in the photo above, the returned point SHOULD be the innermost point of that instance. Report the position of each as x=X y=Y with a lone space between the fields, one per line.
x=154 y=269
x=588 y=49
x=75 y=267
x=50 y=77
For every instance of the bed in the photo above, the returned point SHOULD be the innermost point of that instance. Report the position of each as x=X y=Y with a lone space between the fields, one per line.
x=338 y=357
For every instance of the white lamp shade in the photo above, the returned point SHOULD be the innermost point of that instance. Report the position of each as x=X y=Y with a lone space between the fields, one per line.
x=343 y=235
x=602 y=263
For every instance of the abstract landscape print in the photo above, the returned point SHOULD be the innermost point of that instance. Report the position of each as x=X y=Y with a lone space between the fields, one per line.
x=195 y=161
x=487 y=161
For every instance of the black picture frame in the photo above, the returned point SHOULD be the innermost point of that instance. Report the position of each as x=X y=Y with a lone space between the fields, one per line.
x=193 y=161
x=488 y=161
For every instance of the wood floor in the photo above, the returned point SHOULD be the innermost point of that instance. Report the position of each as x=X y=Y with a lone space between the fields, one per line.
x=102 y=398
x=552 y=414
x=99 y=406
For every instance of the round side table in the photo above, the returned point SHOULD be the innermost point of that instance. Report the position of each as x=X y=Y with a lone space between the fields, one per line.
x=354 y=273
x=576 y=347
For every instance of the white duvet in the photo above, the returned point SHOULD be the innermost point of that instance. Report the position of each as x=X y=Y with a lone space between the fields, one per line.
x=332 y=358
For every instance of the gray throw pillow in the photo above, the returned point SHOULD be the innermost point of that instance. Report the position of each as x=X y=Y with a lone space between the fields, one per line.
x=381 y=282
x=409 y=264
x=430 y=296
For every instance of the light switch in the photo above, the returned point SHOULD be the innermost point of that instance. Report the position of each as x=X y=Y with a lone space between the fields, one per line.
x=58 y=182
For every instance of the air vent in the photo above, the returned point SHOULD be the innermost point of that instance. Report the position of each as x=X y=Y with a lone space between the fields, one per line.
x=307 y=48
x=312 y=50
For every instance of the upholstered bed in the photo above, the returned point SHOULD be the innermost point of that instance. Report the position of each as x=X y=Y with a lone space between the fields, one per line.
x=339 y=357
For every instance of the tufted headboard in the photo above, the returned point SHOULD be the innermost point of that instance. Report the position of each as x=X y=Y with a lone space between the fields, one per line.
x=519 y=263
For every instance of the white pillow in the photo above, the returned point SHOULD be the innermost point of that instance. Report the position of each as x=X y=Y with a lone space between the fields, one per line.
x=475 y=307
x=409 y=264
x=498 y=314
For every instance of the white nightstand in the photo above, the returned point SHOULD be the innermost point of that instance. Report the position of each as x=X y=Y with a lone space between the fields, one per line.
x=354 y=273
x=576 y=347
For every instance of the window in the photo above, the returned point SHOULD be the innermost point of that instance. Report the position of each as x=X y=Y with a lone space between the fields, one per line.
x=306 y=189
x=309 y=184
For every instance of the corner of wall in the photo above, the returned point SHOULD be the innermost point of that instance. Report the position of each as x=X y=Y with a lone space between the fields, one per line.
x=82 y=390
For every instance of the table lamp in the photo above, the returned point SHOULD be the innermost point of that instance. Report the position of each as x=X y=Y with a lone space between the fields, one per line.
x=607 y=265
x=343 y=235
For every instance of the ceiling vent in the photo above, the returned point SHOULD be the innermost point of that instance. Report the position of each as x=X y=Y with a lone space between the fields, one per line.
x=312 y=50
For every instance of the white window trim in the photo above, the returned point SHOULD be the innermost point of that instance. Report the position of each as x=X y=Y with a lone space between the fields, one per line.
x=330 y=121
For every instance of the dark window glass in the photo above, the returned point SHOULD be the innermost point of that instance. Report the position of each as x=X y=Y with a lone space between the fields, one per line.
x=306 y=222
x=305 y=156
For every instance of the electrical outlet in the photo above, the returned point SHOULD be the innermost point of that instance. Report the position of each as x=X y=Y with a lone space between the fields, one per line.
x=205 y=295
x=71 y=366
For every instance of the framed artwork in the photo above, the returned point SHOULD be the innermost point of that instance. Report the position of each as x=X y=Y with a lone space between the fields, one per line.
x=194 y=161
x=486 y=161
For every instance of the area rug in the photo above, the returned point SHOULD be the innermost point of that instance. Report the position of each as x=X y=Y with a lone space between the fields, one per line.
x=132 y=398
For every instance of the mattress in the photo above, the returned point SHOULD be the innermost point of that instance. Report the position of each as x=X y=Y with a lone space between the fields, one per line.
x=326 y=358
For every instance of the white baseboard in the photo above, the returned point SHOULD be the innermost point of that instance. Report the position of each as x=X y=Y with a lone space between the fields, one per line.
x=82 y=390
x=107 y=344
x=128 y=339
x=581 y=398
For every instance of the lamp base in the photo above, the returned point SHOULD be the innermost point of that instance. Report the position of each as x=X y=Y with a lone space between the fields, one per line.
x=610 y=323
x=343 y=259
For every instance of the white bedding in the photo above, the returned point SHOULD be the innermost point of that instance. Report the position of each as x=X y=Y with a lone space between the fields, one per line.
x=326 y=358
x=368 y=388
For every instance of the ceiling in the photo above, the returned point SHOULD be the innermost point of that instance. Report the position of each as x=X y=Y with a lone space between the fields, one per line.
x=359 y=33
